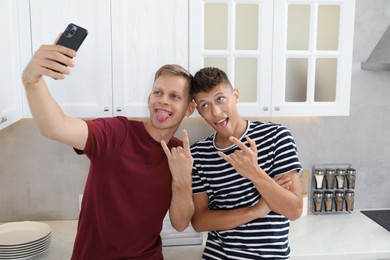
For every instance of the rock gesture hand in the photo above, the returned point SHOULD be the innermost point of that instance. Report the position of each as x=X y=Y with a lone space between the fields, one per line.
x=180 y=160
x=244 y=160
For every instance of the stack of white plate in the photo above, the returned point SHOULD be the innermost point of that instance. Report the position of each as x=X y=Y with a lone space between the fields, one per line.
x=24 y=239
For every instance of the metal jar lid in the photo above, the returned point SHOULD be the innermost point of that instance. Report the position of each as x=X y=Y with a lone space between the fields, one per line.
x=351 y=171
x=319 y=171
x=328 y=194
x=340 y=171
x=349 y=193
x=330 y=171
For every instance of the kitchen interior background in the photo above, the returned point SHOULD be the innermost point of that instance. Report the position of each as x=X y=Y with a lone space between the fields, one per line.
x=42 y=180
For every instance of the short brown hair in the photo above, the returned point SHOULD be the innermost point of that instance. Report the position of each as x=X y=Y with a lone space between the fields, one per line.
x=206 y=79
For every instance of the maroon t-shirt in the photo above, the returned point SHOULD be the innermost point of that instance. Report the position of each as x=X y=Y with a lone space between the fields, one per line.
x=127 y=194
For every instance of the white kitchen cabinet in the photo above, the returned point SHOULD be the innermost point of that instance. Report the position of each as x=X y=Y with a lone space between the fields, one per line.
x=312 y=60
x=287 y=57
x=127 y=42
x=11 y=85
x=145 y=36
x=87 y=91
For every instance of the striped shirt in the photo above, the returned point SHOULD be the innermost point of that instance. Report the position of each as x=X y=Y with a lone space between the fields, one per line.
x=226 y=189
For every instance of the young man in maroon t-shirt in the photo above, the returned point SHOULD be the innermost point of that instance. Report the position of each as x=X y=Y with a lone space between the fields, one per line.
x=138 y=170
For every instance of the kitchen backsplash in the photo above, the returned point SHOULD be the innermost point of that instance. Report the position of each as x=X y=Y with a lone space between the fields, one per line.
x=42 y=180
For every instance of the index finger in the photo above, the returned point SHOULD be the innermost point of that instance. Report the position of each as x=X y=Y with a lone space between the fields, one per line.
x=186 y=142
x=240 y=144
x=65 y=50
x=166 y=149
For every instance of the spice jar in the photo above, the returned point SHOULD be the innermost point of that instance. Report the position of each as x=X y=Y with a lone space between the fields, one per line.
x=329 y=177
x=319 y=177
x=317 y=199
x=351 y=177
x=328 y=199
x=339 y=200
x=349 y=199
x=340 y=178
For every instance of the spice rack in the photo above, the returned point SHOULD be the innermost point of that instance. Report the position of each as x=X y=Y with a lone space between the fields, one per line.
x=332 y=189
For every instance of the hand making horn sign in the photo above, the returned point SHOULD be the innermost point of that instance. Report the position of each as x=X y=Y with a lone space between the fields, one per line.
x=245 y=161
x=179 y=159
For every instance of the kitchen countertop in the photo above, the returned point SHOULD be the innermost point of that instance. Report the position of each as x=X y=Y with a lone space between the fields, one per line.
x=331 y=236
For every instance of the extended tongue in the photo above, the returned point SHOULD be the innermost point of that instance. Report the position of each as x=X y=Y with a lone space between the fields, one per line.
x=162 y=115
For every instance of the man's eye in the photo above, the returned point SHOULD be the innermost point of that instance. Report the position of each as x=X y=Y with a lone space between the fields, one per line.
x=157 y=93
x=220 y=99
x=204 y=106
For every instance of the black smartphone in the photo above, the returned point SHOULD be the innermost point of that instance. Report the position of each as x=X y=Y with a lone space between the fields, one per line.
x=73 y=36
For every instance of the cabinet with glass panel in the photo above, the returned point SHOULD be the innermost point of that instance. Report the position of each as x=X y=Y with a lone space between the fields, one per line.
x=286 y=57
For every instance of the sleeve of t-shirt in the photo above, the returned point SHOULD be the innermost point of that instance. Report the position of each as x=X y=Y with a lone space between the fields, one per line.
x=286 y=153
x=197 y=184
x=104 y=136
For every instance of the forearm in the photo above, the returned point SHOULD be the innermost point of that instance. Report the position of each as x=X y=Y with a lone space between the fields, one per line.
x=182 y=206
x=287 y=202
x=210 y=220
x=47 y=114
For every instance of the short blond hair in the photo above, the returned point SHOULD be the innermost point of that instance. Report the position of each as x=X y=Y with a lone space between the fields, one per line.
x=175 y=70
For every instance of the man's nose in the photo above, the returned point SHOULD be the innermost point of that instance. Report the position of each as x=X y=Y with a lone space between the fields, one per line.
x=216 y=110
x=164 y=99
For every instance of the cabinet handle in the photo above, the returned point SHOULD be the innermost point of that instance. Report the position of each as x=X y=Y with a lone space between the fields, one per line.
x=118 y=109
x=106 y=109
x=277 y=108
x=3 y=119
x=265 y=108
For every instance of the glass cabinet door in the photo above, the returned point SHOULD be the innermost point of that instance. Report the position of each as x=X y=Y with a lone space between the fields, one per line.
x=313 y=57
x=286 y=57
x=235 y=36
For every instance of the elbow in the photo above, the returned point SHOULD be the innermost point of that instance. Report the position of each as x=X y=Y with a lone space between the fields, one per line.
x=180 y=227
x=51 y=135
x=295 y=215
x=196 y=225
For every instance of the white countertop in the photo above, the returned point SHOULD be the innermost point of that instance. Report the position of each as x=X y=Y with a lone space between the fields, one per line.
x=344 y=236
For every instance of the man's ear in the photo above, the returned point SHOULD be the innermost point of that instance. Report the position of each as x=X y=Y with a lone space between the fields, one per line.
x=236 y=94
x=191 y=108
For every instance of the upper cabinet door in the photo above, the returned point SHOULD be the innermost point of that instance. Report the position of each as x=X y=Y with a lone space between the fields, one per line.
x=286 y=57
x=236 y=36
x=145 y=36
x=87 y=91
x=10 y=72
x=312 y=62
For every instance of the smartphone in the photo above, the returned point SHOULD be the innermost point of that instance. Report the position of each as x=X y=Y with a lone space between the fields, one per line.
x=73 y=36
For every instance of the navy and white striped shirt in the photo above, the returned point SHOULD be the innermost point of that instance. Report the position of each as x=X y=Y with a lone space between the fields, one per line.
x=226 y=189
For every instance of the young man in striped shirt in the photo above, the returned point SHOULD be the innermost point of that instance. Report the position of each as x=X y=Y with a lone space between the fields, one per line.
x=237 y=173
